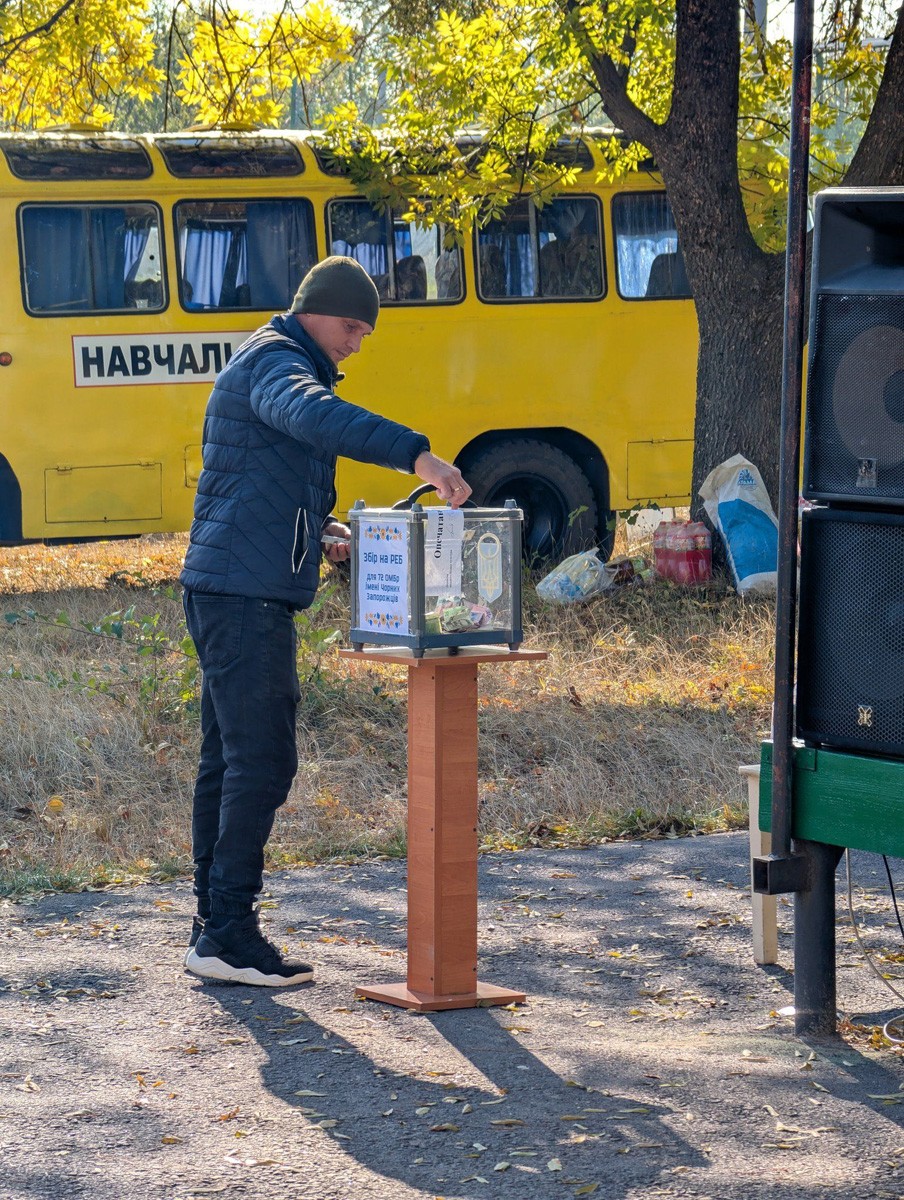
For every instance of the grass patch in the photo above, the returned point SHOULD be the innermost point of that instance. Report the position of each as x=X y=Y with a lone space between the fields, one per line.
x=634 y=726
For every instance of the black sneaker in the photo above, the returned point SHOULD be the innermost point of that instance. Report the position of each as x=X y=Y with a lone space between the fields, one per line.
x=239 y=953
x=197 y=928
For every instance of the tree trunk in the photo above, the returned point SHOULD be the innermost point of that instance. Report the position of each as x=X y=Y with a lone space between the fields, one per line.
x=739 y=377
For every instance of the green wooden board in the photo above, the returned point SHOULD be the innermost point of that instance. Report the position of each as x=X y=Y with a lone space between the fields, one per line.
x=843 y=799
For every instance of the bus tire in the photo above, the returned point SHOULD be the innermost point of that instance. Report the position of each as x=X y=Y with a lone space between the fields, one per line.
x=560 y=509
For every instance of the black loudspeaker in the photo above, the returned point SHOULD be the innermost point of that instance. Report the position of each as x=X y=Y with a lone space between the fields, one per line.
x=850 y=668
x=854 y=432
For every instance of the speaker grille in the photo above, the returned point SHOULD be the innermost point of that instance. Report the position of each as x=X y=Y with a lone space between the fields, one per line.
x=855 y=399
x=850 y=671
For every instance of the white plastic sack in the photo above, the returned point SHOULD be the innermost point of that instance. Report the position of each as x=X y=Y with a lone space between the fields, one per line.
x=737 y=503
x=575 y=578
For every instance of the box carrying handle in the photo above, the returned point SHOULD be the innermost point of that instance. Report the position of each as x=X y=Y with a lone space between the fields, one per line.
x=419 y=491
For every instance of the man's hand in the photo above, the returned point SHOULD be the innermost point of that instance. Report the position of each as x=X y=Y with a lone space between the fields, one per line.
x=445 y=478
x=337 y=551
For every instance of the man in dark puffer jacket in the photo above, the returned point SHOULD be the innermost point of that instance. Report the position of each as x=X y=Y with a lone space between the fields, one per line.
x=272 y=433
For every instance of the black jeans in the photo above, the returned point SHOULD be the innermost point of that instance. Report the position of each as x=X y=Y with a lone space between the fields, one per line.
x=249 y=697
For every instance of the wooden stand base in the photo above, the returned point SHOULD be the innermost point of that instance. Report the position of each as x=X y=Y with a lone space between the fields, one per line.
x=442 y=830
x=401 y=995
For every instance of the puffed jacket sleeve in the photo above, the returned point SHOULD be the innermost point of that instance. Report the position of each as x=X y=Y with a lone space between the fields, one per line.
x=287 y=396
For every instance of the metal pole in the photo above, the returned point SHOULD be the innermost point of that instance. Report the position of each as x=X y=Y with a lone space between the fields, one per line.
x=814 y=942
x=781 y=872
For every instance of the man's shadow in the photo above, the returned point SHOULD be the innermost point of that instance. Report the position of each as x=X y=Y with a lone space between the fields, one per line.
x=410 y=1108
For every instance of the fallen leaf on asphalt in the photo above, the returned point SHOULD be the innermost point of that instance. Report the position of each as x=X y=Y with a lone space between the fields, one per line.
x=587 y=1190
x=502 y=1166
x=448 y=1127
x=507 y=1121
x=305 y=1092
x=252 y=1162
x=554 y=1165
x=169 y=1139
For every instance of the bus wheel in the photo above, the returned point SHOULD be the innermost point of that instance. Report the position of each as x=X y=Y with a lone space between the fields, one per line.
x=560 y=512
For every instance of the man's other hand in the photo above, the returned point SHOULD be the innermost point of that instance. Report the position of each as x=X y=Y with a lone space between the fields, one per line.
x=337 y=551
x=445 y=478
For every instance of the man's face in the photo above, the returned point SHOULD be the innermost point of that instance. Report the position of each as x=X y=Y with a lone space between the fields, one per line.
x=338 y=337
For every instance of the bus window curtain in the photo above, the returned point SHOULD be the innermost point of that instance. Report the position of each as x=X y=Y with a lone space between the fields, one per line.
x=108 y=260
x=519 y=260
x=280 y=252
x=373 y=256
x=134 y=242
x=234 y=290
x=205 y=256
x=644 y=229
x=56 y=259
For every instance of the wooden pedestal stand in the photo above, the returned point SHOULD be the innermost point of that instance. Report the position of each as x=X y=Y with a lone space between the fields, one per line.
x=442 y=829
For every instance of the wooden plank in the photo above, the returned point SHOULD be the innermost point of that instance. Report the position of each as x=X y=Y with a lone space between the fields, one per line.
x=842 y=799
x=764 y=909
x=484 y=994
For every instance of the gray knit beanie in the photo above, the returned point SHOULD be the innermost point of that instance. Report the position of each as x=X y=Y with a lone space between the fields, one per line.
x=338 y=287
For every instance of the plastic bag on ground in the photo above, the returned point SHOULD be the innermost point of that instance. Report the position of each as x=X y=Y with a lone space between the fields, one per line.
x=575 y=578
x=738 y=505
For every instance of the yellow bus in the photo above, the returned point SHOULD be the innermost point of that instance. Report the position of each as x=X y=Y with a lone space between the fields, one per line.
x=552 y=357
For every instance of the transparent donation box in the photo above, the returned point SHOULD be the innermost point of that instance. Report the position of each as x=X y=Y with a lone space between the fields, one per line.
x=432 y=577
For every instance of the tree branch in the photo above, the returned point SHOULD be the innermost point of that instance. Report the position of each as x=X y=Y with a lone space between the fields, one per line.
x=8 y=49
x=612 y=84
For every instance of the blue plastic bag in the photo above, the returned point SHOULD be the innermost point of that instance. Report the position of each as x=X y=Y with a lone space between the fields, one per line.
x=738 y=505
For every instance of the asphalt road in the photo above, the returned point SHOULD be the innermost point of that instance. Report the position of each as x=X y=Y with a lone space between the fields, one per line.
x=651 y=1058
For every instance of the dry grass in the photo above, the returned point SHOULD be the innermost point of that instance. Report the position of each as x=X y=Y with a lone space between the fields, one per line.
x=636 y=724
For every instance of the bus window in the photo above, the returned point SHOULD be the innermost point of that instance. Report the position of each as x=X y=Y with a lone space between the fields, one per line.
x=243 y=254
x=212 y=155
x=58 y=157
x=90 y=258
x=553 y=253
x=649 y=261
x=406 y=261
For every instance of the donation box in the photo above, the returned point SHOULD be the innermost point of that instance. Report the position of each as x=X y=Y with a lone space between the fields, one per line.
x=431 y=577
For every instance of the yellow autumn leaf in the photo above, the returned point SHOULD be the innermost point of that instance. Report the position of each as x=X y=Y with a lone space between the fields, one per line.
x=56 y=804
